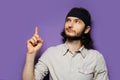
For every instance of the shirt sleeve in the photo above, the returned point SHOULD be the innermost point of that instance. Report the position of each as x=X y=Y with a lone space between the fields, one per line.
x=101 y=72
x=41 y=68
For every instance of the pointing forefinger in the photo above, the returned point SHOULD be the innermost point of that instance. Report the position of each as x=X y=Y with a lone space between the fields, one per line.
x=36 y=30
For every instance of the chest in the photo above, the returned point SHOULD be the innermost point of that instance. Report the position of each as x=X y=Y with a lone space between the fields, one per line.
x=75 y=67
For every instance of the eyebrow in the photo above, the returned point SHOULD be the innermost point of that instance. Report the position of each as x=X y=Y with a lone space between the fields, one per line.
x=67 y=18
x=77 y=19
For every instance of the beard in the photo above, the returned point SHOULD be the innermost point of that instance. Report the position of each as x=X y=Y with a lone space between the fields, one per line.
x=72 y=38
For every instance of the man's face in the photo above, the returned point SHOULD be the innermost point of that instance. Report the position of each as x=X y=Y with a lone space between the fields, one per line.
x=74 y=27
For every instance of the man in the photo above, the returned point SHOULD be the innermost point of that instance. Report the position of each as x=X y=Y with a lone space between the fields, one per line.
x=73 y=60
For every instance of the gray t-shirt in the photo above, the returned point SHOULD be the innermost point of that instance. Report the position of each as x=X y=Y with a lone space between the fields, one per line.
x=62 y=64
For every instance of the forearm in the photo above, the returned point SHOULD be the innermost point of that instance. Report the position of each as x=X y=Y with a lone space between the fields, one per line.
x=28 y=72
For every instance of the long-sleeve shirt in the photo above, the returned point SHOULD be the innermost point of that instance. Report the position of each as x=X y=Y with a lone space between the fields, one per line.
x=62 y=64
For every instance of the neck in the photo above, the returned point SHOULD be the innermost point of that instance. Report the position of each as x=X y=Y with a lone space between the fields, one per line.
x=74 y=45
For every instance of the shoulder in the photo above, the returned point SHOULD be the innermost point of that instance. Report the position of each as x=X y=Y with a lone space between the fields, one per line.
x=51 y=51
x=96 y=54
x=54 y=49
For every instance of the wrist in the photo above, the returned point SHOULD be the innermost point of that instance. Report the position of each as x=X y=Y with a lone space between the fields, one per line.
x=30 y=58
x=31 y=54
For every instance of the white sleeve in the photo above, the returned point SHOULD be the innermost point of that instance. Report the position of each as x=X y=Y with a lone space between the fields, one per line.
x=101 y=72
x=41 y=68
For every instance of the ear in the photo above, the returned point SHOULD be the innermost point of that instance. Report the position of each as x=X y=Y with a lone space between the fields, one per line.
x=87 y=29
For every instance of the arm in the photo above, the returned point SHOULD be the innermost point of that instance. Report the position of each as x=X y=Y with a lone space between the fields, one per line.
x=28 y=71
x=33 y=45
x=101 y=69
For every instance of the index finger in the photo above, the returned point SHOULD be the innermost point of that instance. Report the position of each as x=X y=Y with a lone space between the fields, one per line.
x=36 y=30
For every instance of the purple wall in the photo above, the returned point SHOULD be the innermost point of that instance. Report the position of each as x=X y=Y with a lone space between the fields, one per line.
x=18 y=19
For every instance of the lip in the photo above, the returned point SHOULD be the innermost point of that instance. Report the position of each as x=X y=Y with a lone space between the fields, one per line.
x=69 y=30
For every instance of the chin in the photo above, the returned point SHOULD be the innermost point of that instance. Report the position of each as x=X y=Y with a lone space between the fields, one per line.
x=70 y=34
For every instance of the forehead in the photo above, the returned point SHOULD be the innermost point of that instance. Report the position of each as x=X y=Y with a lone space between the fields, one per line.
x=73 y=18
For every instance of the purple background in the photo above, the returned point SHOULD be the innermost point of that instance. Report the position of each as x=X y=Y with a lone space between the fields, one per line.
x=18 y=19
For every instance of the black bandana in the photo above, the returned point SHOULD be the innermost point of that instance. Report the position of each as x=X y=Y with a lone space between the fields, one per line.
x=82 y=14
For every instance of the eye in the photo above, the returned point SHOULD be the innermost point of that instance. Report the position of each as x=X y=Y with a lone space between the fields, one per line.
x=77 y=21
x=68 y=20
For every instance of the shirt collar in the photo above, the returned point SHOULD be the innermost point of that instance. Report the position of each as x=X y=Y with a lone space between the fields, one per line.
x=82 y=50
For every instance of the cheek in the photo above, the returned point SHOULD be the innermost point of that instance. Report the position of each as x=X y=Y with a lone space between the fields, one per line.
x=79 y=29
x=65 y=26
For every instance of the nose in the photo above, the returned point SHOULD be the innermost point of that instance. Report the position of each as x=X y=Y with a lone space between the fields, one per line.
x=70 y=24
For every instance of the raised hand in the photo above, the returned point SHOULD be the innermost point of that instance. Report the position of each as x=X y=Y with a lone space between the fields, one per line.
x=35 y=43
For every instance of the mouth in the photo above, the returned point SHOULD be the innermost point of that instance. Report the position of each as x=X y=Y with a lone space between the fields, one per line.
x=69 y=30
